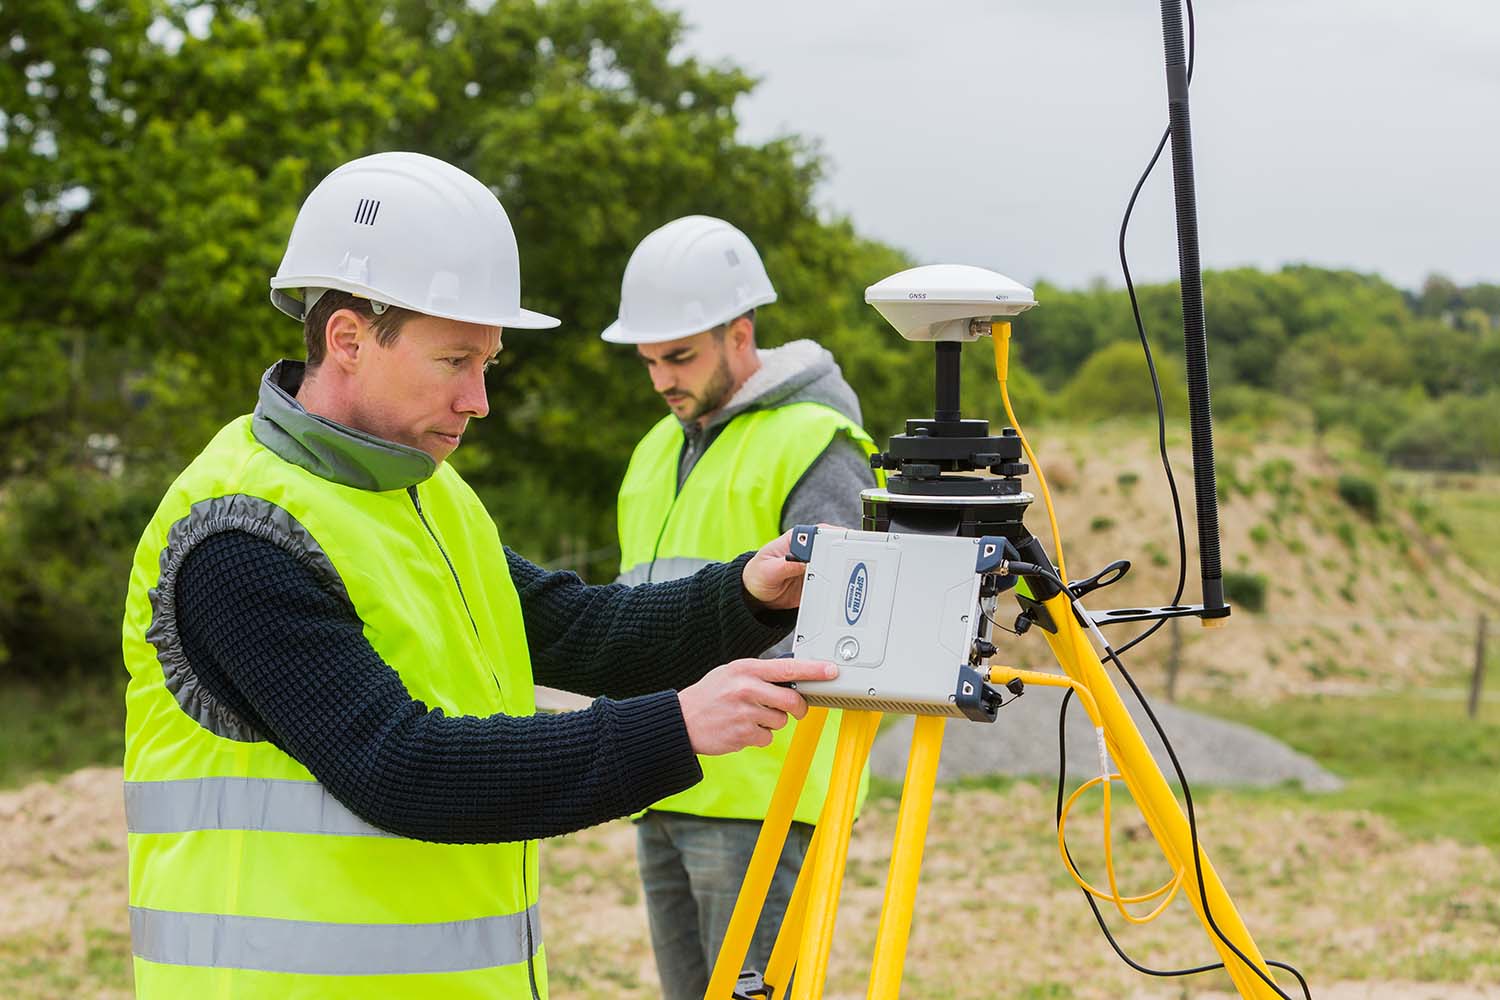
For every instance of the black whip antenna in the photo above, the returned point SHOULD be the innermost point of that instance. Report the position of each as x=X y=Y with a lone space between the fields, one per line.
x=1200 y=412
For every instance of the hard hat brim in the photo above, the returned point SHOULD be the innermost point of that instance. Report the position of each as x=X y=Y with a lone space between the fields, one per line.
x=530 y=320
x=618 y=333
x=522 y=319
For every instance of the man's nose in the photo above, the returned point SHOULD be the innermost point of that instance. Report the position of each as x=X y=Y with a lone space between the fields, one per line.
x=661 y=378
x=475 y=400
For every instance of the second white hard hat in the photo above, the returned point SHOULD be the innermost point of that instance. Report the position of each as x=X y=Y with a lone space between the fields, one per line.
x=407 y=230
x=687 y=277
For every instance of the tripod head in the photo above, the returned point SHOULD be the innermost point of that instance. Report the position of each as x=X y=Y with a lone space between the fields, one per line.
x=907 y=602
x=949 y=305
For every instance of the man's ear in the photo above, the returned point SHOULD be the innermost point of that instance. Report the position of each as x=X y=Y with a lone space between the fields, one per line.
x=346 y=337
x=742 y=334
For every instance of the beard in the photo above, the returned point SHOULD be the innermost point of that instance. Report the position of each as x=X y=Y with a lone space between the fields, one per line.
x=714 y=394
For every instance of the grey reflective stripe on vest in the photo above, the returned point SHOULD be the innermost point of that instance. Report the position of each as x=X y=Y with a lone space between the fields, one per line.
x=276 y=805
x=313 y=948
x=674 y=568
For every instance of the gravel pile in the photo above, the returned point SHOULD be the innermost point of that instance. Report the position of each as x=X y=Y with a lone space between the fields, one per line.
x=1023 y=741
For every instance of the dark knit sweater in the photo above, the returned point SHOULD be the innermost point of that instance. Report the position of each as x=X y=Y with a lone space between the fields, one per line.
x=266 y=637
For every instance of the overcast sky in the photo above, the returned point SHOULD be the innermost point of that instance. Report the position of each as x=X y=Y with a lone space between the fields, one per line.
x=1009 y=133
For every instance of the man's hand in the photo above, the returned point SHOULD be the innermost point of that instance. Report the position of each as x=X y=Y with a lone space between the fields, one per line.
x=770 y=579
x=741 y=703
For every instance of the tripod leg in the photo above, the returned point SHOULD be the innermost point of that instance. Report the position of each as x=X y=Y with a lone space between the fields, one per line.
x=856 y=733
x=789 y=937
x=767 y=854
x=1166 y=819
x=906 y=857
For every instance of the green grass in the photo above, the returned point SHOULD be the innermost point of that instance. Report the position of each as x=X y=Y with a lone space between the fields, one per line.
x=46 y=732
x=42 y=966
x=1469 y=507
x=1419 y=761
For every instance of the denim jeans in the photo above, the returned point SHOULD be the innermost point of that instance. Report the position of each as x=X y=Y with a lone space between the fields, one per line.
x=691 y=870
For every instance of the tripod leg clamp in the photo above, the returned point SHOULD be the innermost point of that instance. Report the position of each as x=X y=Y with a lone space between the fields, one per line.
x=752 y=986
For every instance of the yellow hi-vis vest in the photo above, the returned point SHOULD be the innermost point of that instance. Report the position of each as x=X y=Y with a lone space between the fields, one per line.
x=247 y=879
x=730 y=503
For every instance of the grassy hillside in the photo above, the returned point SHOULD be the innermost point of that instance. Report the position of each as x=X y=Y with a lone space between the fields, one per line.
x=1344 y=578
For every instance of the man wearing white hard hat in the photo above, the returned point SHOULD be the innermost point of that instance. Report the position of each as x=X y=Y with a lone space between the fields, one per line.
x=334 y=774
x=757 y=441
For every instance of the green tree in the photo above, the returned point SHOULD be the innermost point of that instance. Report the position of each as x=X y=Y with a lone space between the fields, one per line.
x=1115 y=382
x=153 y=155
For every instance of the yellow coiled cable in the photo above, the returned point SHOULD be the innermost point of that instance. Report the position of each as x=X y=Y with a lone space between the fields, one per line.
x=1001 y=338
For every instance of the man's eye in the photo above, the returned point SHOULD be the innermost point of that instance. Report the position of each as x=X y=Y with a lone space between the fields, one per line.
x=456 y=362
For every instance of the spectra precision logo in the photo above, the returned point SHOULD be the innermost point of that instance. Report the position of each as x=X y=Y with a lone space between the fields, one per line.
x=854 y=594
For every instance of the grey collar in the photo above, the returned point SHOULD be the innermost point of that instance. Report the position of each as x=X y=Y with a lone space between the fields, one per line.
x=327 y=449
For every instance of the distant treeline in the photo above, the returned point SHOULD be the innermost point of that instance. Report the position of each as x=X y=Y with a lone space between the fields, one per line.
x=1416 y=375
x=152 y=162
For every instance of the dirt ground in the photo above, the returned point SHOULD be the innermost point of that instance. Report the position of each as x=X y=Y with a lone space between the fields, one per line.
x=63 y=931
x=1365 y=912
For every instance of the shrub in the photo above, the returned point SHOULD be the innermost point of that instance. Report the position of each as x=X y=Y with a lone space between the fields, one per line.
x=66 y=544
x=1247 y=590
x=1228 y=481
x=1114 y=382
x=1360 y=494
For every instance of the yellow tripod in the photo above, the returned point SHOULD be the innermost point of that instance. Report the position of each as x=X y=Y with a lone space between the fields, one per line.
x=806 y=934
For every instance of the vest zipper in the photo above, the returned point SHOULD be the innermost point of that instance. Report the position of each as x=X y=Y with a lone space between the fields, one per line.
x=676 y=493
x=417 y=503
x=530 y=943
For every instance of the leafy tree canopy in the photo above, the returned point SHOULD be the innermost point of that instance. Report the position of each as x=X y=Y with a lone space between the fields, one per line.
x=153 y=154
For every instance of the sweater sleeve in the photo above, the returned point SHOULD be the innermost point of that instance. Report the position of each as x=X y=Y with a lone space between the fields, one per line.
x=625 y=641
x=267 y=638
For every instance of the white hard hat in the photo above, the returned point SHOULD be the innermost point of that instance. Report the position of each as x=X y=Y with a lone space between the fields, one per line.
x=407 y=230
x=686 y=277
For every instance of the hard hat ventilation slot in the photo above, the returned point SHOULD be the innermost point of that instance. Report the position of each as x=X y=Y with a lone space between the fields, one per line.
x=732 y=257
x=366 y=212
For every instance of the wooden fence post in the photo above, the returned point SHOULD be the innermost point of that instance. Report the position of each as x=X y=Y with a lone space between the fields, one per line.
x=1174 y=657
x=1477 y=684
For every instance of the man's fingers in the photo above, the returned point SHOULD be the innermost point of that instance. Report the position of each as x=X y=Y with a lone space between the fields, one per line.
x=782 y=699
x=780 y=671
x=769 y=719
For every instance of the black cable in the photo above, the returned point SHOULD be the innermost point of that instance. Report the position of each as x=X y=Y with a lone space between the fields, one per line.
x=1062 y=774
x=1169 y=12
x=1032 y=569
x=995 y=623
x=1187 y=795
x=1062 y=756
x=1140 y=326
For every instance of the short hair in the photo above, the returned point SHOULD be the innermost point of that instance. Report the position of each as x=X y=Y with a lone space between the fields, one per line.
x=722 y=329
x=387 y=325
